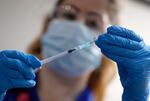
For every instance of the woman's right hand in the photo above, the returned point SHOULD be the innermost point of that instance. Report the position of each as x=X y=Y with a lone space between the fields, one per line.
x=16 y=70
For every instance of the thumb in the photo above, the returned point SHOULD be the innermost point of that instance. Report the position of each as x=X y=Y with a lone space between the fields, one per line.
x=33 y=61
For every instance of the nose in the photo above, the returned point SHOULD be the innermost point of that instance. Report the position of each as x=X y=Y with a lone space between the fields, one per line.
x=81 y=18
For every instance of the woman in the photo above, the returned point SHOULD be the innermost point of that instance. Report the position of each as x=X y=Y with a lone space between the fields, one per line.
x=55 y=86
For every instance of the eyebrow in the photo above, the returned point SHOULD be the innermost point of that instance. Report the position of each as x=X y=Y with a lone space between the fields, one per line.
x=90 y=13
x=94 y=14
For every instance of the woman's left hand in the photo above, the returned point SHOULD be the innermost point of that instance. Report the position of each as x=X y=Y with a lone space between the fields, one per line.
x=132 y=56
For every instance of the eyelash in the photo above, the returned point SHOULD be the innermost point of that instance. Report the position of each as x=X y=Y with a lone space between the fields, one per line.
x=92 y=24
x=70 y=16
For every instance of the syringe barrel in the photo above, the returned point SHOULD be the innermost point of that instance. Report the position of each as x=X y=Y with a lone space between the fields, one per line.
x=44 y=61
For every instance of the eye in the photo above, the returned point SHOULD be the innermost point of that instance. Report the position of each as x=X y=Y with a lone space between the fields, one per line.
x=69 y=16
x=67 y=12
x=92 y=24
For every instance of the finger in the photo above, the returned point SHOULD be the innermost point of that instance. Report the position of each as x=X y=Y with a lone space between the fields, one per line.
x=9 y=62
x=25 y=70
x=22 y=83
x=123 y=32
x=26 y=58
x=13 y=74
x=17 y=65
x=119 y=51
x=117 y=59
x=118 y=41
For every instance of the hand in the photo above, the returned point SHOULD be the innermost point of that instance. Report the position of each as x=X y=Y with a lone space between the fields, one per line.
x=132 y=56
x=16 y=70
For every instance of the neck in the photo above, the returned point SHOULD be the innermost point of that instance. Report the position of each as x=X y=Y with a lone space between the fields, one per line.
x=55 y=87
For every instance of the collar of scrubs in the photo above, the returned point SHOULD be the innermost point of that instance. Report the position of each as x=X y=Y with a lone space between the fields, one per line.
x=30 y=94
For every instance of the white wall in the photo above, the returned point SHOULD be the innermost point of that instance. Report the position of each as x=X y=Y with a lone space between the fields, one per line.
x=137 y=16
x=21 y=20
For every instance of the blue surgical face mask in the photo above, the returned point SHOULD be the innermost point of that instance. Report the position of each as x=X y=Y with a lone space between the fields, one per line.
x=63 y=35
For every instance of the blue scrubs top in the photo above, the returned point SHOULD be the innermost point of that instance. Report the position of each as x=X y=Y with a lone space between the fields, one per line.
x=30 y=94
x=13 y=95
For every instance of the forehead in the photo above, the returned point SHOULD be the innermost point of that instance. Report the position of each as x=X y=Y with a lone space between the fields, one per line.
x=97 y=6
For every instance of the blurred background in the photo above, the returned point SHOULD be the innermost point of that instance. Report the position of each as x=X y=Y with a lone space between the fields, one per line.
x=21 y=21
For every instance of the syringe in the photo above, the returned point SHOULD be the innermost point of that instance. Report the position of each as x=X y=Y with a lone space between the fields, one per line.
x=82 y=46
